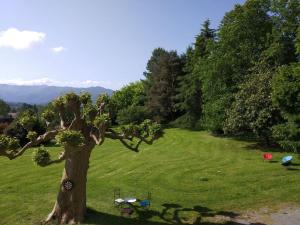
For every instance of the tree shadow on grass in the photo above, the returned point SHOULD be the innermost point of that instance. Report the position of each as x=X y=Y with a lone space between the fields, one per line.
x=253 y=143
x=263 y=148
x=51 y=144
x=293 y=169
x=170 y=214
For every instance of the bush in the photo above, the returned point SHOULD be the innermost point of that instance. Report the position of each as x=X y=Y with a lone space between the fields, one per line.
x=16 y=130
x=32 y=135
x=132 y=114
x=187 y=122
x=286 y=96
x=41 y=156
x=288 y=136
x=8 y=143
x=4 y=108
x=252 y=109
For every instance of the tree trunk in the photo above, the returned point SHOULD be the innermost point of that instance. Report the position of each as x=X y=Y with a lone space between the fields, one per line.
x=70 y=206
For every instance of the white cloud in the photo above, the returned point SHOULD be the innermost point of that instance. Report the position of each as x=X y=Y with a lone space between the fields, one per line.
x=90 y=83
x=58 y=49
x=51 y=82
x=41 y=81
x=20 y=40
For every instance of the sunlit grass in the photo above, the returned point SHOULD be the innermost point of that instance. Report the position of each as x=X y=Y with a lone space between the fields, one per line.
x=191 y=173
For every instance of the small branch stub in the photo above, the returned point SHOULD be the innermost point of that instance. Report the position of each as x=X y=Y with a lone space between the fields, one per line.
x=67 y=185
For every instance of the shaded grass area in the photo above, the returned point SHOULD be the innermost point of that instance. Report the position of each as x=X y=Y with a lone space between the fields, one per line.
x=192 y=176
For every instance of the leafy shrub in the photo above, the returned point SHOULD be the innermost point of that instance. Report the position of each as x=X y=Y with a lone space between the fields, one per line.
x=41 y=156
x=32 y=135
x=4 y=108
x=8 y=143
x=101 y=119
x=70 y=137
x=288 y=136
x=186 y=122
x=132 y=114
x=286 y=96
x=17 y=131
x=252 y=110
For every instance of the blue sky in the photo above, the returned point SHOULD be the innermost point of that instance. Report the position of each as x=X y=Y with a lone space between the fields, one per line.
x=95 y=42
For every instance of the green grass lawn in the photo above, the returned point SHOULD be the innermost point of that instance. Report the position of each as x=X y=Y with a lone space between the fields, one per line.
x=189 y=174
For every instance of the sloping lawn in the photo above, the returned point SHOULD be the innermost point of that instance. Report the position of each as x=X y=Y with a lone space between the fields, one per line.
x=190 y=175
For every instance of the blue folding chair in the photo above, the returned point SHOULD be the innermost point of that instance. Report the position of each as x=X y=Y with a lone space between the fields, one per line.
x=287 y=160
x=146 y=202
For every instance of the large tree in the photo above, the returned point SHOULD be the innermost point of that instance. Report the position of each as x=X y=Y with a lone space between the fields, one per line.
x=161 y=83
x=132 y=94
x=252 y=110
x=129 y=104
x=190 y=92
x=285 y=20
x=286 y=95
x=241 y=39
x=82 y=125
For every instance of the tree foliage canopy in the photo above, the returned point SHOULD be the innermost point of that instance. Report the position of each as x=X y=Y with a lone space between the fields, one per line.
x=129 y=104
x=163 y=71
x=190 y=91
x=4 y=108
x=80 y=123
x=286 y=95
x=252 y=110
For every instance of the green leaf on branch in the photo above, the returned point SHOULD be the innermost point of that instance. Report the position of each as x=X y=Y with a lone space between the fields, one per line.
x=101 y=120
x=8 y=143
x=70 y=137
x=85 y=98
x=89 y=113
x=58 y=104
x=32 y=135
x=27 y=120
x=48 y=115
x=71 y=98
x=103 y=98
x=144 y=130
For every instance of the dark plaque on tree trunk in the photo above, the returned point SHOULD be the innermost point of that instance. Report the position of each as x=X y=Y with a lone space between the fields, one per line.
x=68 y=185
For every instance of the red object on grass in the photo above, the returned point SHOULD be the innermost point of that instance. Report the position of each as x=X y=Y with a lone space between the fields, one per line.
x=267 y=156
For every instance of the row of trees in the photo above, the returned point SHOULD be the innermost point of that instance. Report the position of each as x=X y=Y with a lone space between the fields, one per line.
x=241 y=79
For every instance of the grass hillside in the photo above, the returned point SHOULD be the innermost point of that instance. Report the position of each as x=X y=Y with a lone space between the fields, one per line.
x=190 y=175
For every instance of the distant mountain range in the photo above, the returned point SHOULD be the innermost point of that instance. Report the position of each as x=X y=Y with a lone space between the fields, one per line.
x=42 y=94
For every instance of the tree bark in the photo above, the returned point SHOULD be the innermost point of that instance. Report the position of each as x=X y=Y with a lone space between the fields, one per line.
x=70 y=206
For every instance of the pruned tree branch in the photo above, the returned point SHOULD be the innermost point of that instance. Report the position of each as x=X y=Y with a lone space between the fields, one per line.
x=122 y=138
x=45 y=137
x=62 y=120
x=99 y=139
